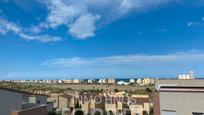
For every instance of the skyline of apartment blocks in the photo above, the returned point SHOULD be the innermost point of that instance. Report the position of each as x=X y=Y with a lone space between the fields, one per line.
x=128 y=81
x=188 y=76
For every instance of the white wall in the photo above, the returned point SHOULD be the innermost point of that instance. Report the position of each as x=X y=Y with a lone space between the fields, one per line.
x=181 y=102
x=38 y=98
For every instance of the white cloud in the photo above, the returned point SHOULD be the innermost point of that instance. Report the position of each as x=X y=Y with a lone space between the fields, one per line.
x=81 y=17
x=190 y=24
x=41 y=38
x=176 y=59
x=84 y=26
x=63 y=62
x=6 y=27
x=71 y=13
x=138 y=5
x=61 y=12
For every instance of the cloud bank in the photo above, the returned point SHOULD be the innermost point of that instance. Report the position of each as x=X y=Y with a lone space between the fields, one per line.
x=175 y=59
x=82 y=17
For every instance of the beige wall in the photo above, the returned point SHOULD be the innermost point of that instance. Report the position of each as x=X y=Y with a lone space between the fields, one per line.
x=146 y=107
x=63 y=102
x=182 y=102
x=54 y=99
x=71 y=102
x=95 y=105
x=121 y=106
x=111 y=107
x=9 y=101
x=136 y=109
x=86 y=107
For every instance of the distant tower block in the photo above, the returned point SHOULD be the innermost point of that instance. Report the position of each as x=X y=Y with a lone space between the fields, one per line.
x=191 y=73
x=189 y=76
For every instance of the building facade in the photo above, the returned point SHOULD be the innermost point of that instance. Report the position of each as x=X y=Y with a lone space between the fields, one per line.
x=14 y=102
x=179 y=97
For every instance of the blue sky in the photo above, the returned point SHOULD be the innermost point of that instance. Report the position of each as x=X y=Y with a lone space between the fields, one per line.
x=50 y=39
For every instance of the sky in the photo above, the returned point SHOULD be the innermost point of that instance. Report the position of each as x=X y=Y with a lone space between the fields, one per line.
x=52 y=39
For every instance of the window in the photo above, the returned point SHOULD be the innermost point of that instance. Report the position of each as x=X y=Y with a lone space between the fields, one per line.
x=198 y=113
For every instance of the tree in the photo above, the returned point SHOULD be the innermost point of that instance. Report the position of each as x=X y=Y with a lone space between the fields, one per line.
x=148 y=90
x=151 y=111
x=79 y=113
x=116 y=90
x=145 y=113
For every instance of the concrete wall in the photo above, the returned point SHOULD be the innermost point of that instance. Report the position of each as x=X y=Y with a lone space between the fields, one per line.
x=184 y=103
x=9 y=101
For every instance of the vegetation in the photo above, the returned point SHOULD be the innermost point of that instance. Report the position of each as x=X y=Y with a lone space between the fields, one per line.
x=116 y=90
x=82 y=88
x=148 y=90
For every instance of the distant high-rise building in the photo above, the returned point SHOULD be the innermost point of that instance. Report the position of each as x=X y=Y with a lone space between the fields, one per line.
x=111 y=81
x=139 y=81
x=101 y=81
x=189 y=76
x=191 y=73
x=91 y=81
x=132 y=80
